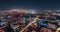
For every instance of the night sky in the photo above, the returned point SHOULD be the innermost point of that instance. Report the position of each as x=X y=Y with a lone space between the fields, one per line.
x=30 y=4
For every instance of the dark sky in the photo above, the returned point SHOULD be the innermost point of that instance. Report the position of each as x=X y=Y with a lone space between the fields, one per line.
x=30 y=4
